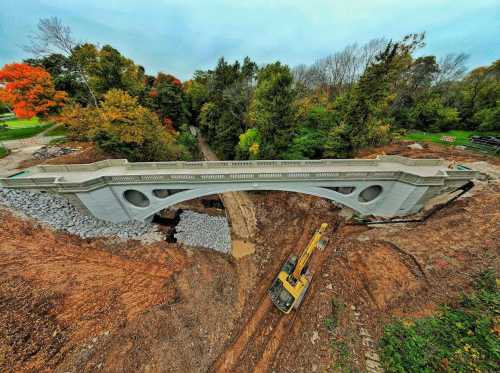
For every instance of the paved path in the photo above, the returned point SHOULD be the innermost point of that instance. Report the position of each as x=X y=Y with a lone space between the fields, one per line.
x=22 y=150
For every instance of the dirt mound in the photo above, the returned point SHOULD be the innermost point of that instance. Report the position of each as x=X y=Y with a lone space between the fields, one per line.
x=55 y=284
x=383 y=273
x=30 y=335
x=86 y=153
x=428 y=150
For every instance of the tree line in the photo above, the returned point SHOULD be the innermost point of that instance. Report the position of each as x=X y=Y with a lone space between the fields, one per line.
x=358 y=97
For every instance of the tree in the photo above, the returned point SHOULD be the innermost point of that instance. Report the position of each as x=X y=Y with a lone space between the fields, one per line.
x=167 y=99
x=121 y=127
x=52 y=36
x=226 y=93
x=29 y=91
x=365 y=120
x=338 y=72
x=429 y=114
x=63 y=74
x=272 y=110
x=249 y=144
x=451 y=68
x=196 y=92
x=479 y=92
x=108 y=69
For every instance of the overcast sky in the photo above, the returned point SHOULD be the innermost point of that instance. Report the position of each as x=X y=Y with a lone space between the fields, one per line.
x=181 y=36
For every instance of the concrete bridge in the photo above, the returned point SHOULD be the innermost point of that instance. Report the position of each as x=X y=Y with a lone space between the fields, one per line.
x=116 y=190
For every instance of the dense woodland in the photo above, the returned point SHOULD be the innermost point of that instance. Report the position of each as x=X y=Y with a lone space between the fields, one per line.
x=364 y=95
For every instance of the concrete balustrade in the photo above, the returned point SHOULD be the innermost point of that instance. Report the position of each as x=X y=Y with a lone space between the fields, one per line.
x=116 y=190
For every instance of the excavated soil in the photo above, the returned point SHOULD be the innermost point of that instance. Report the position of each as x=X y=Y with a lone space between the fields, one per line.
x=71 y=305
x=429 y=150
x=86 y=153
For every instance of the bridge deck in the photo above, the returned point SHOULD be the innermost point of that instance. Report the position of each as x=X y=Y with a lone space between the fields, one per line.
x=81 y=173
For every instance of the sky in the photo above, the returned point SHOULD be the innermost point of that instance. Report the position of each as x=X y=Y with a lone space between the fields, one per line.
x=181 y=36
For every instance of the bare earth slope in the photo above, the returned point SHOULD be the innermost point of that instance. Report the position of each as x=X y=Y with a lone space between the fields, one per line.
x=75 y=305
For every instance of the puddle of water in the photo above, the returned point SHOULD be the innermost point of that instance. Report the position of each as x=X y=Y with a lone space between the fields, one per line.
x=242 y=248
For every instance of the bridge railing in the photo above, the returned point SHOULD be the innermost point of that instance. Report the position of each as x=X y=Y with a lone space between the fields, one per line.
x=233 y=164
x=61 y=185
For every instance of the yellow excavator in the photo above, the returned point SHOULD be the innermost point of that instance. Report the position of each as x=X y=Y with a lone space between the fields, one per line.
x=290 y=286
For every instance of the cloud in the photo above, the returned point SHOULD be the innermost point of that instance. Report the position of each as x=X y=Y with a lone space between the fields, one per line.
x=180 y=37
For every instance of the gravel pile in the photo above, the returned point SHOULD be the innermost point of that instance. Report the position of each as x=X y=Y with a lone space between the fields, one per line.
x=47 y=152
x=203 y=230
x=59 y=214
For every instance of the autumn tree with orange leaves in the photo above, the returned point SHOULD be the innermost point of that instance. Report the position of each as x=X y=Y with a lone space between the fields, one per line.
x=29 y=91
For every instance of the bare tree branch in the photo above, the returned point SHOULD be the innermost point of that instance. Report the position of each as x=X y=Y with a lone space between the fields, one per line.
x=452 y=67
x=52 y=36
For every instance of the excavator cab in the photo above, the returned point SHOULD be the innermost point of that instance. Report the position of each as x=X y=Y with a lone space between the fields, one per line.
x=292 y=282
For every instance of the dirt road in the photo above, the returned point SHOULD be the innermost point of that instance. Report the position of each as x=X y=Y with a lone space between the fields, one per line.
x=263 y=334
x=240 y=210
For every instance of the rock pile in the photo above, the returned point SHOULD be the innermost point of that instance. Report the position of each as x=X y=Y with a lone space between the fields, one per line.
x=46 y=152
x=59 y=214
x=203 y=230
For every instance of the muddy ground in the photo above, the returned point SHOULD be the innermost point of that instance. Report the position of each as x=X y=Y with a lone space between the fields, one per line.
x=72 y=305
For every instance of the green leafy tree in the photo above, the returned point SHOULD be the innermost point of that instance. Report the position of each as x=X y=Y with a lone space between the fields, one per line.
x=168 y=100
x=64 y=75
x=123 y=128
x=196 y=91
x=365 y=121
x=488 y=119
x=479 y=92
x=226 y=93
x=209 y=117
x=312 y=131
x=429 y=114
x=249 y=144
x=272 y=110
x=106 y=68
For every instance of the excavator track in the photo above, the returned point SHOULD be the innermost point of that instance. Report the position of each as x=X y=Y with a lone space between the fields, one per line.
x=262 y=335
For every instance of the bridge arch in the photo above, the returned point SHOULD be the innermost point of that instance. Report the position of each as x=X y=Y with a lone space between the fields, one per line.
x=358 y=196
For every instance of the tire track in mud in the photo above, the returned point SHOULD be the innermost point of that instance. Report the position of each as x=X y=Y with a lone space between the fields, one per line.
x=258 y=319
x=262 y=335
x=292 y=324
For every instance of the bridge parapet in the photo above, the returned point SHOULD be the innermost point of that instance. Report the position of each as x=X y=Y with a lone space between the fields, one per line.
x=401 y=184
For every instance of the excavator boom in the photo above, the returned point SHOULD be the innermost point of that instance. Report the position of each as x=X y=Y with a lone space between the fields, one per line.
x=306 y=254
x=292 y=282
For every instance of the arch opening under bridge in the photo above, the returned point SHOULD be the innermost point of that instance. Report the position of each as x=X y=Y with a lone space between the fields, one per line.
x=144 y=203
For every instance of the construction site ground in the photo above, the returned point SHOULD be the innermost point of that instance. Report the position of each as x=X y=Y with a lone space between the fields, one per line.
x=73 y=305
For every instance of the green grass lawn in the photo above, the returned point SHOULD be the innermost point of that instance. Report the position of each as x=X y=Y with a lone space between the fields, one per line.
x=463 y=338
x=58 y=131
x=461 y=137
x=21 y=128
x=22 y=132
x=22 y=123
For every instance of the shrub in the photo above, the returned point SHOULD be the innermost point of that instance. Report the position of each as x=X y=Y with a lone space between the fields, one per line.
x=123 y=128
x=459 y=339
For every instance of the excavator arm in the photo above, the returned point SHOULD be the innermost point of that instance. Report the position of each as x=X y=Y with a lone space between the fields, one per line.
x=306 y=254
x=289 y=287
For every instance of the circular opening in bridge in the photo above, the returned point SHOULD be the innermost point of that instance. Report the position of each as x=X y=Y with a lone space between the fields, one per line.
x=161 y=193
x=370 y=193
x=136 y=198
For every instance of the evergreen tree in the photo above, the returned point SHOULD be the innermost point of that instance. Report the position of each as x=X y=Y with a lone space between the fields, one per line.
x=272 y=109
